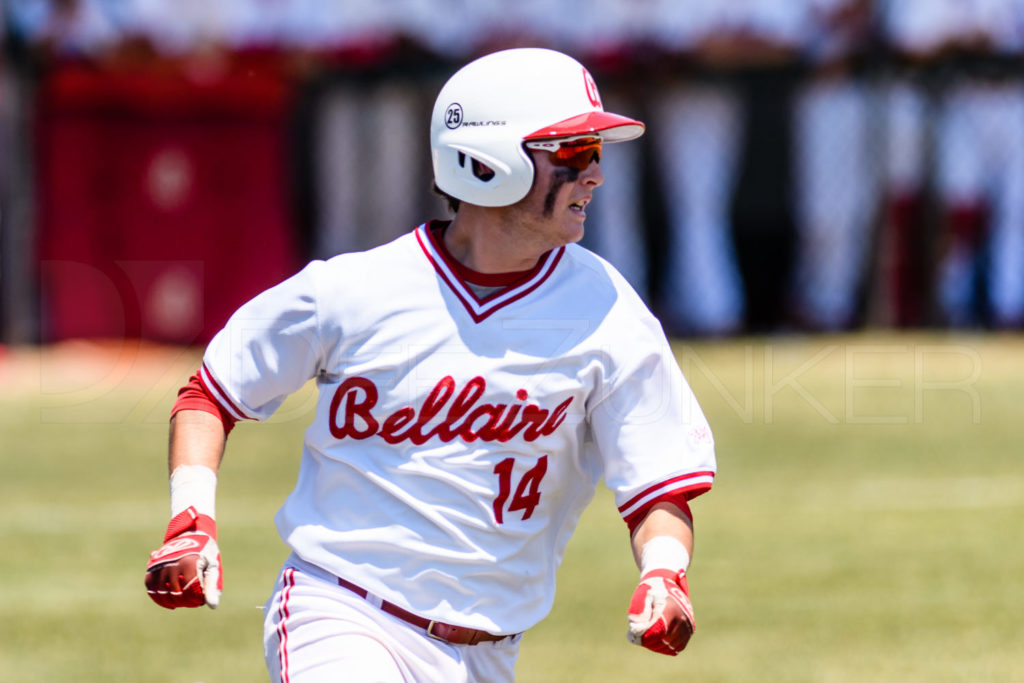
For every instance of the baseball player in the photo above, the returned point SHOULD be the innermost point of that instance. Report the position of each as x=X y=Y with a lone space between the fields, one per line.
x=477 y=378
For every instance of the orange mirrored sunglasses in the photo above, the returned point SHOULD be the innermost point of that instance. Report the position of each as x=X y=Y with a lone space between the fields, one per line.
x=577 y=152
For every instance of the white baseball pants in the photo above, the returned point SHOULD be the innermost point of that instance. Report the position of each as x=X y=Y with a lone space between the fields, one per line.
x=315 y=631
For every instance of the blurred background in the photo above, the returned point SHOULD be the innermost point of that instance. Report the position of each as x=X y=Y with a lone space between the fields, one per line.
x=809 y=165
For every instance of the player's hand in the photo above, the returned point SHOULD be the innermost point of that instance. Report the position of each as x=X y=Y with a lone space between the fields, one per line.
x=185 y=571
x=660 y=613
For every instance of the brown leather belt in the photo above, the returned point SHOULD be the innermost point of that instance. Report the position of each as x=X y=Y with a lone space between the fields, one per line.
x=449 y=633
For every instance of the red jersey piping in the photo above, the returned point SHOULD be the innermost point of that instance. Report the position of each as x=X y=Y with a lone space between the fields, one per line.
x=480 y=309
x=693 y=484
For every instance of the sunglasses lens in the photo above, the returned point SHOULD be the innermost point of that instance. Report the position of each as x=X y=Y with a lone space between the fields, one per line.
x=577 y=154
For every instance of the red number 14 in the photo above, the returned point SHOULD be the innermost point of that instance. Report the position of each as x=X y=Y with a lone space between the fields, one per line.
x=527 y=494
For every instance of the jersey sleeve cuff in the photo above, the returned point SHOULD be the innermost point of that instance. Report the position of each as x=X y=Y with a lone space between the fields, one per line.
x=218 y=395
x=678 y=491
x=195 y=396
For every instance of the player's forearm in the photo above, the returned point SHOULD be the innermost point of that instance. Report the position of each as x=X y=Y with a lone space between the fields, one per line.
x=665 y=520
x=196 y=438
x=660 y=613
x=196 y=447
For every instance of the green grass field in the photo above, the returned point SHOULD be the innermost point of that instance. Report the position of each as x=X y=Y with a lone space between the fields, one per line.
x=865 y=524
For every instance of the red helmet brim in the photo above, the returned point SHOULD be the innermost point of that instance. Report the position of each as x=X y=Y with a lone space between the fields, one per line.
x=611 y=127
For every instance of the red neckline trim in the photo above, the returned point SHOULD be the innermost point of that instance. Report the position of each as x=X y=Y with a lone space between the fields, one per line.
x=435 y=229
x=478 y=308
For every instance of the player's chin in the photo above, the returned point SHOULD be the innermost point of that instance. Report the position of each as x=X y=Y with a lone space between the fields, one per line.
x=572 y=238
x=573 y=228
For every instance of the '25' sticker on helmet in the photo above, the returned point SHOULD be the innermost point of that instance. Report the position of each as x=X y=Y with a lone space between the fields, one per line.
x=591 y=86
x=453 y=115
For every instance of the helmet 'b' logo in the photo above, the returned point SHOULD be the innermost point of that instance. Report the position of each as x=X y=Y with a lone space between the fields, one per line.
x=453 y=115
x=592 y=94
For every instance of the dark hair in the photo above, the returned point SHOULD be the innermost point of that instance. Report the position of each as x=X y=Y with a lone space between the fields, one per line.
x=453 y=203
x=480 y=170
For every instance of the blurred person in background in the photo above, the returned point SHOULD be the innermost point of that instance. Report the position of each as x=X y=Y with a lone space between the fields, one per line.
x=698 y=123
x=364 y=117
x=833 y=167
x=696 y=127
x=914 y=34
x=64 y=29
x=184 y=27
x=170 y=133
x=358 y=119
x=980 y=167
x=38 y=35
x=356 y=128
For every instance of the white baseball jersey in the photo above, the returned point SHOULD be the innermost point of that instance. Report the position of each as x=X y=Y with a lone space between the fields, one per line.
x=458 y=436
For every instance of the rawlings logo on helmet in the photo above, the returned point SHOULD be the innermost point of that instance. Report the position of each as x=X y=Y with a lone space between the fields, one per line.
x=454 y=117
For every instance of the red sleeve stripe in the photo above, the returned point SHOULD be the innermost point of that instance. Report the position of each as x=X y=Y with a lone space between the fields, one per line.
x=693 y=484
x=219 y=395
x=677 y=498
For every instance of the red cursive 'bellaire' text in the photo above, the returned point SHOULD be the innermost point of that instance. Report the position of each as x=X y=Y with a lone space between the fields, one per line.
x=354 y=400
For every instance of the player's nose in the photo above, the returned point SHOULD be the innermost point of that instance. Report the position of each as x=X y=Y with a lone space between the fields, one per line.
x=593 y=176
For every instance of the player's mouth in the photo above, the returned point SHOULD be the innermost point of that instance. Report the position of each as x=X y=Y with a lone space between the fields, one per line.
x=579 y=207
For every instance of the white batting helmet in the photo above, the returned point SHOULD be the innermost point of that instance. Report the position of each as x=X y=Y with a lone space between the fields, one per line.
x=491 y=106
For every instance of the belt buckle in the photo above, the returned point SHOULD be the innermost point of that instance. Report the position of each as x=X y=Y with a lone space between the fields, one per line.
x=430 y=632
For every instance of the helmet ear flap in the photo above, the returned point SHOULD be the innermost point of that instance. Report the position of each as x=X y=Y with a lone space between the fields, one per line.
x=475 y=173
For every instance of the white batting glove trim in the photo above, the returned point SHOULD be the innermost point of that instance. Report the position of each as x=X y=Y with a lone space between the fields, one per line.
x=652 y=609
x=208 y=573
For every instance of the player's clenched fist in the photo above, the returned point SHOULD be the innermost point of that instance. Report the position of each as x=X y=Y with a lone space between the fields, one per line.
x=185 y=571
x=660 y=613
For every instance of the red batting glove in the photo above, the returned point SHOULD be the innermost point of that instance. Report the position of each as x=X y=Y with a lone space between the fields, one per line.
x=186 y=570
x=660 y=613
